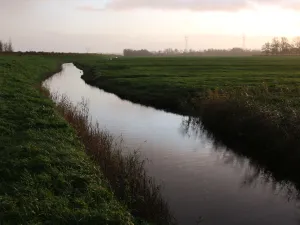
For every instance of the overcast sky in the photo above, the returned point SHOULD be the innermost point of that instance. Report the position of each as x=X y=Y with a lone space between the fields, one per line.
x=112 y=25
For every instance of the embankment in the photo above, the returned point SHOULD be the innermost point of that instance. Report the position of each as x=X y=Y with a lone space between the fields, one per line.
x=46 y=176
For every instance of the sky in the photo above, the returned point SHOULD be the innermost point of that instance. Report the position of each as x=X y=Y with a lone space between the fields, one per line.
x=112 y=25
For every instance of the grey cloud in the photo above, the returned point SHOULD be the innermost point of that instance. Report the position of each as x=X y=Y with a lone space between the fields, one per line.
x=20 y=6
x=15 y=6
x=199 y=5
x=89 y=8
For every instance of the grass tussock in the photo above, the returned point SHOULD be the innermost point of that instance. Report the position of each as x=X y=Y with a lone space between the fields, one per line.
x=125 y=173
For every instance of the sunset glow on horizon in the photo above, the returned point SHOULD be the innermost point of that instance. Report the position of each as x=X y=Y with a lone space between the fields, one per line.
x=112 y=25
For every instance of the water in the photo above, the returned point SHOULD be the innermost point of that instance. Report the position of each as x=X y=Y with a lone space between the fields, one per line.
x=200 y=178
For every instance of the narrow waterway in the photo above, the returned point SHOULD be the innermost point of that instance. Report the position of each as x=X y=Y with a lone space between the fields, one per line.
x=199 y=178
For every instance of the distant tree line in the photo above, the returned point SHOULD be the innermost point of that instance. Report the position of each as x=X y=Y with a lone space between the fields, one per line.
x=43 y=53
x=282 y=46
x=52 y=53
x=6 y=46
x=191 y=52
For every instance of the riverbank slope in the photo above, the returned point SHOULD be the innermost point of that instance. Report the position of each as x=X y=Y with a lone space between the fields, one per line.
x=45 y=175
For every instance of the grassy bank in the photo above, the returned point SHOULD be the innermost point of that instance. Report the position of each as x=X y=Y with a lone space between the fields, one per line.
x=250 y=103
x=46 y=177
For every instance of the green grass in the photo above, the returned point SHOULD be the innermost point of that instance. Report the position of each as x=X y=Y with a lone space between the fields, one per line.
x=46 y=178
x=166 y=82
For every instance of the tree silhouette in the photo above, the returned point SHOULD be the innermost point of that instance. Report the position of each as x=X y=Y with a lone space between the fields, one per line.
x=285 y=46
x=275 y=46
x=10 y=46
x=297 y=45
x=267 y=49
x=282 y=46
x=191 y=52
x=6 y=47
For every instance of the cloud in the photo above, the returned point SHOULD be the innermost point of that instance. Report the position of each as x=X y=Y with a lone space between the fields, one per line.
x=89 y=8
x=15 y=6
x=288 y=4
x=295 y=6
x=194 y=5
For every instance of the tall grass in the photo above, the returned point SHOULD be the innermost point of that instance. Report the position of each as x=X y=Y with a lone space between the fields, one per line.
x=125 y=173
x=246 y=109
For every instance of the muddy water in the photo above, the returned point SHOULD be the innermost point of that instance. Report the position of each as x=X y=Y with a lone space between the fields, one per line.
x=199 y=178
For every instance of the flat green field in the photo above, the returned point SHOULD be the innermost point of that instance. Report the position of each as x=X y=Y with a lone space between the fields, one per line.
x=166 y=82
x=45 y=176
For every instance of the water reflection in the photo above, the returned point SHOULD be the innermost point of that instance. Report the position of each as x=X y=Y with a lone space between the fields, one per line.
x=254 y=174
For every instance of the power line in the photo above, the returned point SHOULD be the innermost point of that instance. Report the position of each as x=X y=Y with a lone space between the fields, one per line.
x=244 y=41
x=186 y=43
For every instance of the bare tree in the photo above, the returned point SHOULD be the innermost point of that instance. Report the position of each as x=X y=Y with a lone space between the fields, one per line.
x=297 y=44
x=275 y=46
x=9 y=46
x=285 y=46
x=267 y=48
x=5 y=47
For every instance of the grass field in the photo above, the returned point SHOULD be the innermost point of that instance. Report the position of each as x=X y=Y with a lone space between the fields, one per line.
x=166 y=82
x=249 y=103
x=46 y=178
